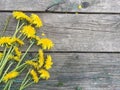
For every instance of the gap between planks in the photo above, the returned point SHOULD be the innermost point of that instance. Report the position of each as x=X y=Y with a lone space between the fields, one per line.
x=108 y=52
x=57 y=12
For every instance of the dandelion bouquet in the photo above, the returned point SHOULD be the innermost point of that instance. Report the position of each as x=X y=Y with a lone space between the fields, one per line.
x=12 y=60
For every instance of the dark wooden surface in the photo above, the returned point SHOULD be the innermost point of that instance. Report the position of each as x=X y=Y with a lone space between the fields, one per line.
x=87 y=44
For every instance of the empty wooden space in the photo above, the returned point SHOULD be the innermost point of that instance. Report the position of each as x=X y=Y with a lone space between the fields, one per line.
x=86 y=55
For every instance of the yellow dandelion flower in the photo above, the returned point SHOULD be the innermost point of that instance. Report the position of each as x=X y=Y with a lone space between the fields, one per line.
x=44 y=74
x=5 y=40
x=37 y=38
x=36 y=20
x=46 y=43
x=48 y=63
x=16 y=58
x=21 y=16
x=34 y=76
x=41 y=58
x=1 y=55
x=17 y=40
x=79 y=6
x=29 y=31
x=32 y=63
x=17 y=52
x=10 y=75
x=33 y=36
x=43 y=34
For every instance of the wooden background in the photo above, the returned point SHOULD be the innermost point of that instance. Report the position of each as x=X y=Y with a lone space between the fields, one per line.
x=86 y=55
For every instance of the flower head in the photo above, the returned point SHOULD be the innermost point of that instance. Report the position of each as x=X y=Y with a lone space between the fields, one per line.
x=41 y=58
x=44 y=74
x=16 y=58
x=36 y=20
x=10 y=75
x=43 y=34
x=10 y=41
x=21 y=16
x=5 y=40
x=32 y=63
x=17 y=40
x=79 y=6
x=12 y=57
x=29 y=31
x=37 y=38
x=46 y=43
x=48 y=63
x=17 y=52
x=34 y=76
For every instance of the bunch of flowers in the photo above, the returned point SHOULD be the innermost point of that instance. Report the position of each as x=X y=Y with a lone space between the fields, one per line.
x=12 y=60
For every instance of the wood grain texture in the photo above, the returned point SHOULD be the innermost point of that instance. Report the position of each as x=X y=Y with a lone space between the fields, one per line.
x=90 y=71
x=77 y=32
x=33 y=5
x=64 y=6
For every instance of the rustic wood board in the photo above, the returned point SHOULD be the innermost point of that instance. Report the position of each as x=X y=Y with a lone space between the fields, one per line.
x=77 y=32
x=87 y=49
x=90 y=71
x=106 y=6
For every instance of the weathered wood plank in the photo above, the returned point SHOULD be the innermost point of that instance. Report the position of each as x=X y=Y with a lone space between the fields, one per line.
x=79 y=32
x=90 y=71
x=61 y=5
x=83 y=32
x=34 y=5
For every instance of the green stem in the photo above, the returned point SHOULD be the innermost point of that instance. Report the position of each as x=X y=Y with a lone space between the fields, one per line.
x=5 y=60
x=24 y=81
x=6 y=24
x=6 y=86
x=16 y=30
x=25 y=54
x=29 y=84
x=4 y=52
x=6 y=56
x=10 y=84
x=22 y=69
x=23 y=38
x=20 y=35
x=6 y=71
x=23 y=86
x=20 y=66
x=21 y=26
x=26 y=77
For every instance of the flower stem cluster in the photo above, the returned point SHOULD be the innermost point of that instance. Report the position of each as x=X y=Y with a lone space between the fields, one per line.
x=13 y=62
